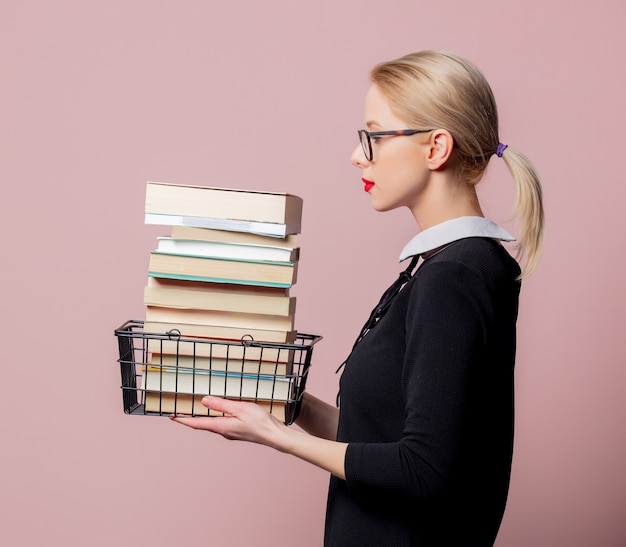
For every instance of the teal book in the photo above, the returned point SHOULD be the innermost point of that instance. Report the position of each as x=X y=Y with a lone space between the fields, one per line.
x=217 y=383
x=222 y=270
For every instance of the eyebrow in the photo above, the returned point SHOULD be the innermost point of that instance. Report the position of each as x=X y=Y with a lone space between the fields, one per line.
x=372 y=123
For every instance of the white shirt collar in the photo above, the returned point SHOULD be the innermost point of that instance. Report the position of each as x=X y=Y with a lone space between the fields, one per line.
x=453 y=230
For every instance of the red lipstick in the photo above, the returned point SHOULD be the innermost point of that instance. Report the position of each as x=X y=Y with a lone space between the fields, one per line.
x=368 y=184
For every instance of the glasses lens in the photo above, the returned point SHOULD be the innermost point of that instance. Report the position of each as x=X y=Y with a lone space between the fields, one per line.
x=365 y=144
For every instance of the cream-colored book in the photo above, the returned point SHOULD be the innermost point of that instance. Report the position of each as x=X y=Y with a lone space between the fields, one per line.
x=255 y=321
x=224 y=236
x=171 y=293
x=268 y=213
x=172 y=403
x=218 y=270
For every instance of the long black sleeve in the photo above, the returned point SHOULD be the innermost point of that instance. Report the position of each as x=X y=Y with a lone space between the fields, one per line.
x=427 y=406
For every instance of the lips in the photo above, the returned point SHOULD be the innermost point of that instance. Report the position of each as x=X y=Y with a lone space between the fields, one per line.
x=368 y=184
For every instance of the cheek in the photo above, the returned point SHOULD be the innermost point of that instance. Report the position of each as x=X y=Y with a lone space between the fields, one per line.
x=399 y=176
x=401 y=161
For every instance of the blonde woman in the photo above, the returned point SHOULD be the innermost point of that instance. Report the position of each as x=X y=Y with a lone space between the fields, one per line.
x=420 y=447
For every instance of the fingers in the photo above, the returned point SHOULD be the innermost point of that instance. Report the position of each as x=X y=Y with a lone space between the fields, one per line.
x=195 y=423
x=230 y=426
x=244 y=421
x=226 y=406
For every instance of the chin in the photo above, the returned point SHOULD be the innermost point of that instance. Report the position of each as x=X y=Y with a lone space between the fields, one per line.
x=383 y=207
x=379 y=208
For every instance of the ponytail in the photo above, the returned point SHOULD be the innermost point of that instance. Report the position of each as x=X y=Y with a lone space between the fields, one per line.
x=441 y=89
x=528 y=208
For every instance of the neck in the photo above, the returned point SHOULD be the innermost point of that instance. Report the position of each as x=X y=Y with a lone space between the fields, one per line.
x=445 y=198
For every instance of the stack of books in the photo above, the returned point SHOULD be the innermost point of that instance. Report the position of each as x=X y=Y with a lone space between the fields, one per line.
x=223 y=274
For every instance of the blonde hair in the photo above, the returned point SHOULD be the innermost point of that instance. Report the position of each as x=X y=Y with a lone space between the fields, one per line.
x=443 y=90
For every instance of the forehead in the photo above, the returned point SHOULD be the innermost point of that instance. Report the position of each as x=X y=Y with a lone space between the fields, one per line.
x=378 y=113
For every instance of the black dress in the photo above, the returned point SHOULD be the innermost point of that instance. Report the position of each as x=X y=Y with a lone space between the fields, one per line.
x=427 y=408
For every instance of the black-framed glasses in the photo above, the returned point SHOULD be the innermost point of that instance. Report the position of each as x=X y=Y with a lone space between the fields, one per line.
x=366 y=138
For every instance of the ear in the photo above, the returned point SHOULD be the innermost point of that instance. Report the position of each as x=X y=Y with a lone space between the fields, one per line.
x=441 y=147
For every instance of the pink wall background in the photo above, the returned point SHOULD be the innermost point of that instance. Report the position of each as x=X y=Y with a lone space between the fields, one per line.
x=98 y=97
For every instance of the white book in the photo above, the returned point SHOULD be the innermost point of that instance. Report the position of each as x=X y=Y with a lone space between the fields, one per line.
x=261 y=228
x=233 y=251
x=219 y=384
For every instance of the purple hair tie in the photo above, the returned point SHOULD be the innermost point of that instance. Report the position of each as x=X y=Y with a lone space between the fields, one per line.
x=501 y=149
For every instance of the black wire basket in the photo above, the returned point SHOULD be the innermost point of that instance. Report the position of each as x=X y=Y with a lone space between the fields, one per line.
x=167 y=373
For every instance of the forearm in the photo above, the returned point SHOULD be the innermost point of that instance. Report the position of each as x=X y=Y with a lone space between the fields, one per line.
x=317 y=445
x=326 y=454
x=318 y=418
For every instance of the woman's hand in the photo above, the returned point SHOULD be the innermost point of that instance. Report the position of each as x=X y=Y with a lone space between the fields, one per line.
x=245 y=422
x=249 y=422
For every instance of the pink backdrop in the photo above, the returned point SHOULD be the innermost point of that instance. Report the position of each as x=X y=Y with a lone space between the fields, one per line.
x=97 y=97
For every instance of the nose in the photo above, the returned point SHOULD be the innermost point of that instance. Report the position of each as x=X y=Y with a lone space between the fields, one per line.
x=357 y=158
